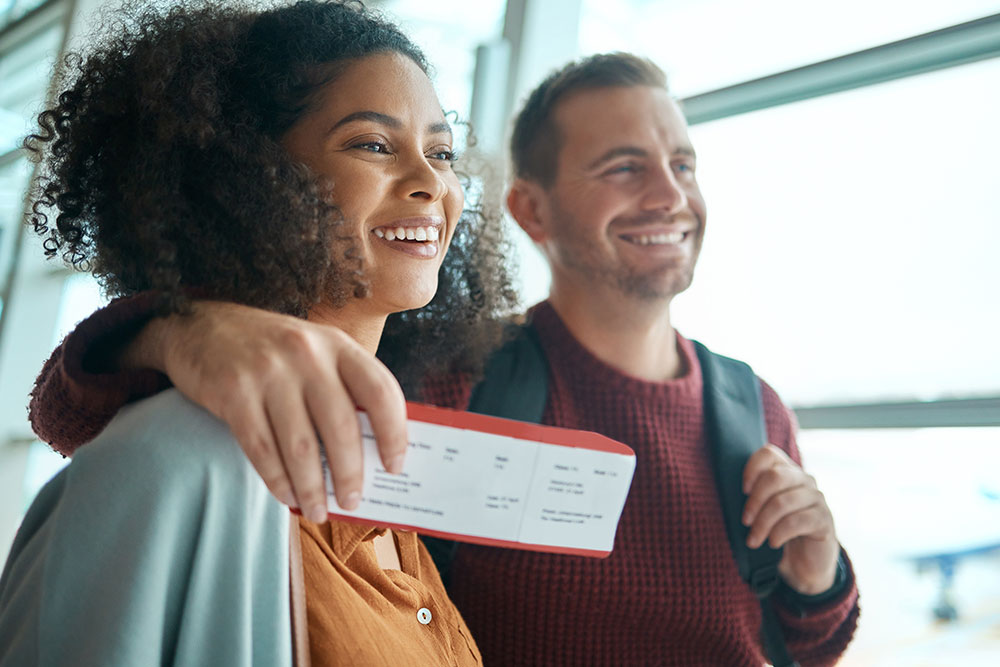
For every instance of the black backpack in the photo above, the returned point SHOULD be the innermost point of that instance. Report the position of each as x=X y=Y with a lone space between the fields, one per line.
x=735 y=429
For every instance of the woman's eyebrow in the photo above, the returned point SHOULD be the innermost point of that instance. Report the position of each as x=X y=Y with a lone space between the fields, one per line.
x=373 y=116
x=388 y=121
x=439 y=128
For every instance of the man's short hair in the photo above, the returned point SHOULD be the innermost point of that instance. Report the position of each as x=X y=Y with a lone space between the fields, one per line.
x=535 y=142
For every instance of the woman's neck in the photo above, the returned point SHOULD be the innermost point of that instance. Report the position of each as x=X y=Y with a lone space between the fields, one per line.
x=364 y=327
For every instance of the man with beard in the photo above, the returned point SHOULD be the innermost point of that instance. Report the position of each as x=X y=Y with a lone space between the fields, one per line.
x=605 y=184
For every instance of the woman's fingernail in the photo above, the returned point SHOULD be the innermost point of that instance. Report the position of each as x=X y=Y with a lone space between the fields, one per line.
x=317 y=514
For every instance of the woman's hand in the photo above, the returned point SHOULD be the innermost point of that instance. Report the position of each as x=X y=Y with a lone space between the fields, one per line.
x=282 y=384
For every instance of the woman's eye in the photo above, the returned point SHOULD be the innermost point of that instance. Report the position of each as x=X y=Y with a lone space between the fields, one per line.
x=373 y=146
x=684 y=168
x=445 y=155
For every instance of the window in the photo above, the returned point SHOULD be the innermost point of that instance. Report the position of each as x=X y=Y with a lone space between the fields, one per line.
x=12 y=10
x=25 y=66
x=29 y=44
x=853 y=234
x=919 y=513
x=849 y=256
x=81 y=297
x=707 y=44
x=449 y=31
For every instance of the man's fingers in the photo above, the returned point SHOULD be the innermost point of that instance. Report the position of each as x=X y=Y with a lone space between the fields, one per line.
x=253 y=432
x=809 y=522
x=299 y=448
x=776 y=510
x=300 y=377
x=765 y=458
x=336 y=419
x=769 y=483
x=377 y=392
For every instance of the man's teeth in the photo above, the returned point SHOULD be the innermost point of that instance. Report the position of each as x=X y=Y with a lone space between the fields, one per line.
x=407 y=233
x=657 y=239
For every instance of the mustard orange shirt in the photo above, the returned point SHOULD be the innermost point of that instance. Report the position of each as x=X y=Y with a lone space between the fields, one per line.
x=360 y=614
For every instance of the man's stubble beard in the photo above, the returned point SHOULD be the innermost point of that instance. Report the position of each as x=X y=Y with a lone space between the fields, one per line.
x=580 y=258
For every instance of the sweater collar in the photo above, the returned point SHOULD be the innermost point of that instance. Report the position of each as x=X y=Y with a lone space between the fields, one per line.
x=565 y=351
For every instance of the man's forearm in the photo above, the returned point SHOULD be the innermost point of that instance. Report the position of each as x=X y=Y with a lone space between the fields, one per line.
x=147 y=349
x=87 y=380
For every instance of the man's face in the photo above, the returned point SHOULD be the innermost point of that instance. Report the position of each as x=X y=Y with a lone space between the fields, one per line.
x=625 y=210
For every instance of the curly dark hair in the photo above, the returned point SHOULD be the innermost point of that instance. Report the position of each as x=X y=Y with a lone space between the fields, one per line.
x=162 y=164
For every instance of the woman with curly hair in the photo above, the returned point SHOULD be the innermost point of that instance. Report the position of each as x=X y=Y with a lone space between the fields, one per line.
x=294 y=159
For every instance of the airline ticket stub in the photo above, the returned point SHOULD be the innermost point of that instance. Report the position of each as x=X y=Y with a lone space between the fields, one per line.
x=498 y=482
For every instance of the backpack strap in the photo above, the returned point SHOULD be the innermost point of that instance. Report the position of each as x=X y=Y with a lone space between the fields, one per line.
x=734 y=424
x=515 y=385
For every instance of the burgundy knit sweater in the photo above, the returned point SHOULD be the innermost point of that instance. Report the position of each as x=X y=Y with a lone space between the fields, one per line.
x=669 y=594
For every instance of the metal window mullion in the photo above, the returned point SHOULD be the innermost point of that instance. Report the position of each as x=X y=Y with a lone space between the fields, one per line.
x=24 y=27
x=949 y=47
x=980 y=411
x=10 y=157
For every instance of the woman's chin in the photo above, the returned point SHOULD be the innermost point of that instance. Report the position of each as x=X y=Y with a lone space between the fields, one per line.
x=413 y=299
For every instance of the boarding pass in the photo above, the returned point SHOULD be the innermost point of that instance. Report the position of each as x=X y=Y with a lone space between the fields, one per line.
x=497 y=482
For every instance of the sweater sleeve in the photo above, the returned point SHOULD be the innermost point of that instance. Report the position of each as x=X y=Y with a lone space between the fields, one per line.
x=816 y=634
x=75 y=395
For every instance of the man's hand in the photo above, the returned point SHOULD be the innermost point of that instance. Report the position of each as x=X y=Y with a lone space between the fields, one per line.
x=784 y=507
x=282 y=384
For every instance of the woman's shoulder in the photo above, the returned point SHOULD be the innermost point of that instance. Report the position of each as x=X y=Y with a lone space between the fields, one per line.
x=150 y=538
x=166 y=440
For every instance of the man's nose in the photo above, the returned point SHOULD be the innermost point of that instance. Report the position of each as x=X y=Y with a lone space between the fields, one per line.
x=664 y=191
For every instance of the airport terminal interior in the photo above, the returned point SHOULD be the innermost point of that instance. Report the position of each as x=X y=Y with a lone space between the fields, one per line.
x=848 y=153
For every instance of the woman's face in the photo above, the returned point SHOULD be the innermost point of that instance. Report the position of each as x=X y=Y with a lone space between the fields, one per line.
x=377 y=134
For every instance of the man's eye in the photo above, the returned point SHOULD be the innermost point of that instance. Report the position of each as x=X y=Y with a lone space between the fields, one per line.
x=627 y=168
x=684 y=168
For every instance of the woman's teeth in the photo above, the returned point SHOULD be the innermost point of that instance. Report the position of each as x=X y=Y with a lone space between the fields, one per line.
x=407 y=233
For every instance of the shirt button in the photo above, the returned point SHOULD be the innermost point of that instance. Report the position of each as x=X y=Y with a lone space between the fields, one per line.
x=424 y=616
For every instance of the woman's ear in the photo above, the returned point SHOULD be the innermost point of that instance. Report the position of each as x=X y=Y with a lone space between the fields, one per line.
x=527 y=203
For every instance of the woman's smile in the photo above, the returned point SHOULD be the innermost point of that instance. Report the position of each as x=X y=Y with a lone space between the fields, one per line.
x=417 y=237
